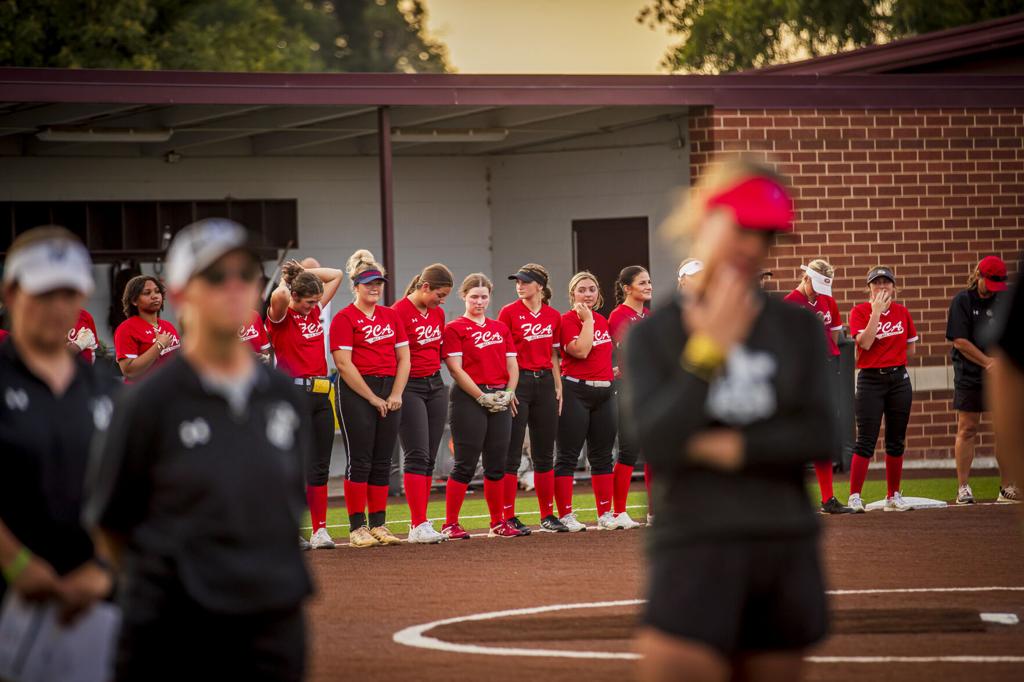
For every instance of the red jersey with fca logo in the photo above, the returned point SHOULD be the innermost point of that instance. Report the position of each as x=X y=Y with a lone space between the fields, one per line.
x=135 y=336
x=424 y=332
x=895 y=331
x=484 y=349
x=298 y=342
x=826 y=309
x=255 y=334
x=597 y=366
x=372 y=340
x=84 y=320
x=534 y=334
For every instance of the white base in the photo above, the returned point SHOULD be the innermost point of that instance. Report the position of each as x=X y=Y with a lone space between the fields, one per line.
x=914 y=502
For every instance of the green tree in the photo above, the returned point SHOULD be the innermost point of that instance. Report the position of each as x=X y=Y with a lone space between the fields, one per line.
x=219 y=35
x=729 y=35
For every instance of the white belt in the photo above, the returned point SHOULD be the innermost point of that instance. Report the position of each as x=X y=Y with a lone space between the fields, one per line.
x=595 y=384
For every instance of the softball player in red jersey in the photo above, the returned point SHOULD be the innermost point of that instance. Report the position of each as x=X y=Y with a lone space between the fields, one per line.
x=481 y=358
x=815 y=294
x=885 y=335
x=633 y=291
x=82 y=337
x=588 y=404
x=255 y=334
x=534 y=326
x=371 y=351
x=425 y=400
x=143 y=341
x=297 y=337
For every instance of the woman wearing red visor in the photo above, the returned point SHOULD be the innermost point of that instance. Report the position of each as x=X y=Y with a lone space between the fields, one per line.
x=731 y=401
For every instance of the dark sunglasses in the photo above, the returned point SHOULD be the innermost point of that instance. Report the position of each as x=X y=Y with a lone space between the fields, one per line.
x=217 y=275
x=997 y=278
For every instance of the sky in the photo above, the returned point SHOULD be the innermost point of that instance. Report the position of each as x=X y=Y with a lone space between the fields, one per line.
x=547 y=36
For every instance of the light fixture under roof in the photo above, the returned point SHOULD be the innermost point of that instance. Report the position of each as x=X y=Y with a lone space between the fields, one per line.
x=448 y=134
x=137 y=135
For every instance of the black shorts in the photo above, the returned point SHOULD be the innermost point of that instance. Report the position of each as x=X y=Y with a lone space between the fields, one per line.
x=969 y=399
x=740 y=596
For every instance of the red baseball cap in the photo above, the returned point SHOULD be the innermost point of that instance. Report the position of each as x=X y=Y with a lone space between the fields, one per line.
x=993 y=270
x=758 y=203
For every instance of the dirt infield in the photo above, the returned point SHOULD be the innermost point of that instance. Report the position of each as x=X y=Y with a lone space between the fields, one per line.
x=366 y=596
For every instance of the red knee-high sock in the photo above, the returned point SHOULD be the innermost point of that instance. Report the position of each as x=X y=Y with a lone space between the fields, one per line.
x=603 y=485
x=647 y=482
x=455 y=493
x=823 y=470
x=316 y=499
x=563 y=494
x=858 y=472
x=494 y=493
x=544 y=483
x=623 y=475
x=508 y=495
x=416 y=496
x=355 y=497
x=893 y=474
x=377 y=498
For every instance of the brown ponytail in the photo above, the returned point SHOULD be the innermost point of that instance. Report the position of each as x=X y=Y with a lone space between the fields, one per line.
x=437 y=276
x=626 y=277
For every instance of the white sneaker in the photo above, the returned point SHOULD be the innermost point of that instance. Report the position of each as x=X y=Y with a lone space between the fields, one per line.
x=896 y=503
x=606 y=521
x=304 y=544
x=1010 y=494
x=856 y=504
x=321 y=540
x=424 y=534
x=624 y=521
x=650 y=519
x=964 y=495
x=572 y=523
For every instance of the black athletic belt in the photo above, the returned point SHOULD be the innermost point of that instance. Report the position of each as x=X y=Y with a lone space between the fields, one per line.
x=535 y=373
x=884 y=370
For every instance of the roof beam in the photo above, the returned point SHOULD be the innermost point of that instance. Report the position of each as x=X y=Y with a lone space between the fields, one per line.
x=30 y=120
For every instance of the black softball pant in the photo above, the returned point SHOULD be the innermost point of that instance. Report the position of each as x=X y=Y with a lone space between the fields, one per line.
x=318 y=466
x=588 y=416
x=883 y=394
x=476 y=431
x=369 y=438
x=424 y=408
x=629 y=447
x=538 y=410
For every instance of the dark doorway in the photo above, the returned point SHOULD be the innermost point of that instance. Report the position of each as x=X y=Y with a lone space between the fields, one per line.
x=606 y=245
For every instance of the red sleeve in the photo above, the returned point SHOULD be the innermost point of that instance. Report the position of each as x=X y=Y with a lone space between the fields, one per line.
x=792 y=297
x=570 y=328
x=451 y=342
x=505 y=317
x=858 y=321
x=510 y=345
x=837 y=319
x=401 y=336
x=89 y=322
x=556 y=335
x=341 y=332
x=911 y=329
x=125 y=345
x=616 y=326
x=261 y=332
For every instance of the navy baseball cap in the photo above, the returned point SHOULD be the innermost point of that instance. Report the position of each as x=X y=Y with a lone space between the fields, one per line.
x=880 y=271
x=530 y=276
x=367 y=276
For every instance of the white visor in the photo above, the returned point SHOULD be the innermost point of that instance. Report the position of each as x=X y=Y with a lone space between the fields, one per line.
x=690 y=269
x=50 y=265
x=819 y=282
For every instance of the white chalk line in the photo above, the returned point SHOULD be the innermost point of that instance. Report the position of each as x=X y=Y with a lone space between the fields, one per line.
x=414 y=635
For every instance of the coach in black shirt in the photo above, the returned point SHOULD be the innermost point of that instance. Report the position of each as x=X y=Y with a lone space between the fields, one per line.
x=50 y=404
x=730 y=398
x=196 y=489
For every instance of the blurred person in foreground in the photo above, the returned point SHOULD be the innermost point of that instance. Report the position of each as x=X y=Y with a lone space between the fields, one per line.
x=1005 y=384
x=731 y=399
x=196 y=489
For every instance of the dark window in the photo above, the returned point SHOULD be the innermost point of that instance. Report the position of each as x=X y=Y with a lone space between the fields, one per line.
x=606 y=245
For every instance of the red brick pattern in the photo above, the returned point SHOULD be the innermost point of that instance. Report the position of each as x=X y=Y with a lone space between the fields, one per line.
x=927 y=191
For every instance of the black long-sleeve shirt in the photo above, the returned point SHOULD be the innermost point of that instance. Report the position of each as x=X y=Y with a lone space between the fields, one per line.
x=773 y=389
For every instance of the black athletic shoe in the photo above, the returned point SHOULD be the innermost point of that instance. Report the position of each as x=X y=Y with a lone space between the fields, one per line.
x=551 y=524
x=518 y=525
x=834 y=506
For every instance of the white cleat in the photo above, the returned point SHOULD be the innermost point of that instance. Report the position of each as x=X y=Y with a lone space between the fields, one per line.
x=624 y=522
x=607 y=521
x=1010 y=495
x=424 y=534
x=572 y=523
x=650 y=519
x=896 y=503
x=964 y=495
x=321 y=540
x=856 y=504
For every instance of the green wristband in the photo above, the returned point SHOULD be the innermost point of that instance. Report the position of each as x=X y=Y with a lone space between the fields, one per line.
x=13 y=570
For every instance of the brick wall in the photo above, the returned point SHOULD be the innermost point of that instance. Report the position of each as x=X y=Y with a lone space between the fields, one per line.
x=927 y=192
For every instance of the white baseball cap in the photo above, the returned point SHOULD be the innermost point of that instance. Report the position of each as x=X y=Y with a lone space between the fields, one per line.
x=822 y=284
x=200 y=245
x=50 y=264
x=691 y=268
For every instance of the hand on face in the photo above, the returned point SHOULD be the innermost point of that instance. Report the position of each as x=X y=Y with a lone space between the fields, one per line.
x=726 y=311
